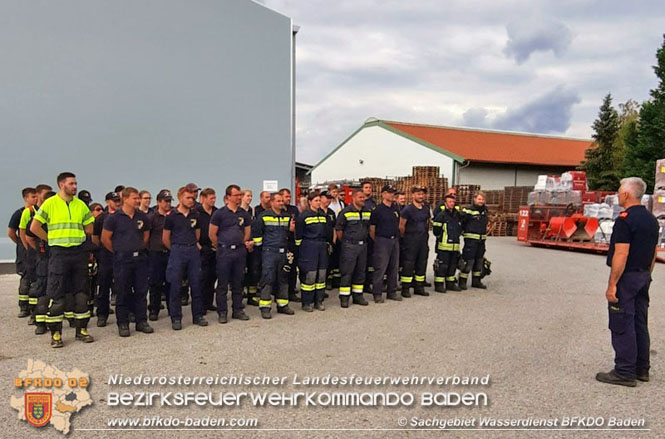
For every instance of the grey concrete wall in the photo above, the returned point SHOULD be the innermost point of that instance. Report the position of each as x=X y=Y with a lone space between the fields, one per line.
x=148 y=93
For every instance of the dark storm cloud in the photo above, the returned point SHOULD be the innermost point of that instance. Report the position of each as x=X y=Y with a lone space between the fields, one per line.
x=548 y=113
x=529 y=36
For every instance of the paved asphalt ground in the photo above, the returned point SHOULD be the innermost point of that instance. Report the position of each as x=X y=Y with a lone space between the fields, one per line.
x=539 y=331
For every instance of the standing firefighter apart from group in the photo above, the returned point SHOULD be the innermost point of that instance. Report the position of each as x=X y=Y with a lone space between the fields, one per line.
x=632 y=257
x=68 y=220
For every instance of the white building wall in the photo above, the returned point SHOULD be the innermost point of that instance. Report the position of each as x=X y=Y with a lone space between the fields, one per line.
x=489 y=178
x=496 y=176
x=383 y=154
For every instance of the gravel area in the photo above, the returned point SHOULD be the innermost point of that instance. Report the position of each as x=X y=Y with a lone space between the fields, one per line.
x=539 y=332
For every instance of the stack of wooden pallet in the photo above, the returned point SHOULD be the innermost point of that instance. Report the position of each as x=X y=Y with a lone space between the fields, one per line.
x=465 y=193
x=427 y=177
x=514 y=197
x=502 y=224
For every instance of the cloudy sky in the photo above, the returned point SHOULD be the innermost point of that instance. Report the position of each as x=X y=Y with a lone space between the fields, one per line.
x=534 y=66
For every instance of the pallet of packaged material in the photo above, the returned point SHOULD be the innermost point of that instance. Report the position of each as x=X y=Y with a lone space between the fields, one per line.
x=660 y=174
x=658 y=207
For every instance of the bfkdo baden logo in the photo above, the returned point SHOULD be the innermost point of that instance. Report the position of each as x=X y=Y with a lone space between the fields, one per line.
x=51 y=396
x=38 y=408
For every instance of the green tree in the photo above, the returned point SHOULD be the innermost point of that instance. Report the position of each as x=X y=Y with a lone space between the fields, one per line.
x=629 y=116
x=649 y=144
x=599 y=163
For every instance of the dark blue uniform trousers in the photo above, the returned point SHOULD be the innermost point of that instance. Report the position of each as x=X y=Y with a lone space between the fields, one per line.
x=628 y=324
x=104 y=282
x=184 y=259
x=131 y=277
x=208 y=276
x=158 y=260
x=230 y=270
x=386 y=262
x=312 y=264
x=274 y=280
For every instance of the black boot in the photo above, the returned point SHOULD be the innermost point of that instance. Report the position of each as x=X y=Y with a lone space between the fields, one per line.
x=56 y=339
x=358 y=299
x=419 y=290
x=123 y=330
x=82 y=334
x=144 y=327
x=439 y=287
x=344 y=301
x=462 y=282
x=451 y=285
x=40 y=329
x=285 y=310
x=23 y=312
x=405 y=290
x=476 y=283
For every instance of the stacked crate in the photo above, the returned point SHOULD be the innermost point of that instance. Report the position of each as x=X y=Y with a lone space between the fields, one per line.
x=495 y=198
x=502 y=224
x=427 y=177
x=514 y=197
x=465 y=193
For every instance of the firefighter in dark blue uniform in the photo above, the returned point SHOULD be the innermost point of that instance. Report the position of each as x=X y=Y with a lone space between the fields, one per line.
x=370 y=205
x=24 y=255
x=312 y=238
x=333 y=275
x=181 y=237
x=414 y=247
x=447 y=227
x=270 y=231
x=126 y=234
x=37 y=293
x=254 y=257
x=206 y=208
x=158 y=254
x=474 y=224
x=292 y=255
x=384 y=229
x=632 y=256
x=230 y=234
x=352 y=230
x=104 y=261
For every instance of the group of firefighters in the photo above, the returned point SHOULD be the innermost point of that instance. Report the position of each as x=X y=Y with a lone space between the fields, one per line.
x=77 y=258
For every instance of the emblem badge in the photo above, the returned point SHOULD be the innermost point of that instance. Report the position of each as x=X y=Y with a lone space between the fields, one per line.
x=193 y=222
x=38 y=408
x=241 y=220
x=139 y=223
